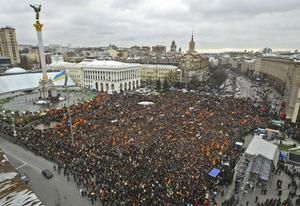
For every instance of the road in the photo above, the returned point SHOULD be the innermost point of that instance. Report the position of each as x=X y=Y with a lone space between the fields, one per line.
x=245 y=88
x=248 y=89
x=53 y=192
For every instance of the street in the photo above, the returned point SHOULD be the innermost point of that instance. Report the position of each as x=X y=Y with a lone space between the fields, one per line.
x=245 y=88
x=52 y=192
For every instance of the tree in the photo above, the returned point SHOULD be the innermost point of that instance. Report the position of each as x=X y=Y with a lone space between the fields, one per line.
x=194 y=83
x=171 y=77
x=212 y=68
x=218 y=77
x=165 y=85
x=158 y=85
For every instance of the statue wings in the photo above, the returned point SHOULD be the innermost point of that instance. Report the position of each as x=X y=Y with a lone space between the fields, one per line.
x=37 y=8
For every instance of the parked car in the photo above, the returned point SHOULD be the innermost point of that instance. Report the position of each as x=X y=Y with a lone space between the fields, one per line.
x=24 y=178
x=47 y=173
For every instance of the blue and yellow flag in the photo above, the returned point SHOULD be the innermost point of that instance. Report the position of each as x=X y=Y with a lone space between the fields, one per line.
x=59 y=76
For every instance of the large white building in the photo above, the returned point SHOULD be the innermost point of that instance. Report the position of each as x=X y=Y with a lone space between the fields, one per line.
x=105 y=75
x=110 y=76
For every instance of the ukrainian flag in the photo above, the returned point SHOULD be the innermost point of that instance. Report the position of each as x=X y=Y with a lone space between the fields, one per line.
x=59 y=76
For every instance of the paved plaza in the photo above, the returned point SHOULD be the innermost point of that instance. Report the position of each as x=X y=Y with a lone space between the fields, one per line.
x=25 y=102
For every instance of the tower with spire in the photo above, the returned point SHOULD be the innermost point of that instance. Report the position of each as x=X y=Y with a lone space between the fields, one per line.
x=193 y=65
x=192 y=44
x=173 y=47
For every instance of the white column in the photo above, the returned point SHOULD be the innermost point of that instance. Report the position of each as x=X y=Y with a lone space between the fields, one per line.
x=42 y=55
x=295 y=113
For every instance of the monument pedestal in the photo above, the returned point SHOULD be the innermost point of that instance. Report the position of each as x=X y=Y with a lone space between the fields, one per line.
x=46 y=89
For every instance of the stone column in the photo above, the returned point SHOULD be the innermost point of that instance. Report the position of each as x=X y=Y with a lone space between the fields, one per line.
x=38 y=28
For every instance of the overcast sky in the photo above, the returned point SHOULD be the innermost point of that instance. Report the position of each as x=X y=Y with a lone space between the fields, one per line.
x=217 y=24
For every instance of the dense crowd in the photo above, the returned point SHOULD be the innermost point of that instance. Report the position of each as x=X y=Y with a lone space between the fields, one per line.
x=158 y=154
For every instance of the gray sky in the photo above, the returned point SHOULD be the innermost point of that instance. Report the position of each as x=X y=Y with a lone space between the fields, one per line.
x=217 y=24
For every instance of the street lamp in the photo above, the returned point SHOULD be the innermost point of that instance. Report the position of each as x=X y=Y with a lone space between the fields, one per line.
x=4 y=115
x=13 y=124
x=187 y=64
x=69 y=113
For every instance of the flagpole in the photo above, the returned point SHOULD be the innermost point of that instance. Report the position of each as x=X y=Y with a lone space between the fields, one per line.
x=69 y=112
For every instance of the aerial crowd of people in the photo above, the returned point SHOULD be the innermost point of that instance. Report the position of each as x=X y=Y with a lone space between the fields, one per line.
x=133 y=154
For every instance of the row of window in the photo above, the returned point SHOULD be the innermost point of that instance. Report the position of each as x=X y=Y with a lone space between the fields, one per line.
x=111 y=76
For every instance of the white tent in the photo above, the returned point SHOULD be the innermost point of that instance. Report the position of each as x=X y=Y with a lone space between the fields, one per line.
x=265 y=156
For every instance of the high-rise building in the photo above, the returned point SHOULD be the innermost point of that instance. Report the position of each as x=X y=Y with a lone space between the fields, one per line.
x=8 y=45
x=173 y=47
x=193 y=64
x=192 y=45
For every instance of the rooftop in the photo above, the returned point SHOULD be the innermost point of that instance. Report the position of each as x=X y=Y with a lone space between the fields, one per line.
x=93 y=63
x=62 y=63
x=26 y=81
x=105 y=64
x=13 y=190
x=159 y=65
x=7 y=27
x=259 y=146
x=15 y=70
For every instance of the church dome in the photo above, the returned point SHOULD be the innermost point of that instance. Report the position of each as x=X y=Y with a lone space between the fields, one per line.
x=15 y=70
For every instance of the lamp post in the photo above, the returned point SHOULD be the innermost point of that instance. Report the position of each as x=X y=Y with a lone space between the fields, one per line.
x=1 y=119
x=4 y=115
x=13 y=124
x=185 y=84
x=69 y=112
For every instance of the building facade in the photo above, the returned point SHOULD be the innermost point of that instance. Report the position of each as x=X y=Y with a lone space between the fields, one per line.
x=159 y=49
x=243 y=65
x=8 y=45
x=154 y=72
x=110 y=76
x=284 y=73
x=194 y=65
x=105 y=75
x=4 y=64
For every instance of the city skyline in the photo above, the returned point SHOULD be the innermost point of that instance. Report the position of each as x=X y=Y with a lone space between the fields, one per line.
x=217 y=25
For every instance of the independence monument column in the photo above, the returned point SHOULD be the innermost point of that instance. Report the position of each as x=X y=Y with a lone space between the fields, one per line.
x=46 y=86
